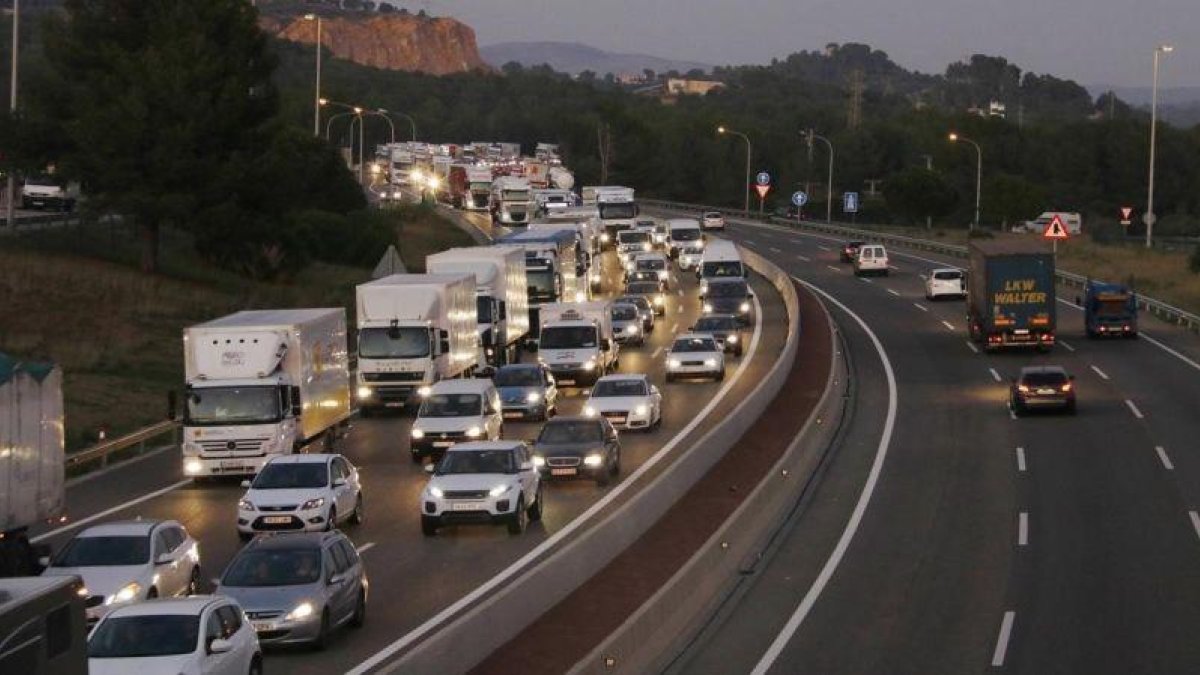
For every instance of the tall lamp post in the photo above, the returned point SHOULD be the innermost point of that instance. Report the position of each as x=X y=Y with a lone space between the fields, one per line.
x=956 y=137
x=358 y=113
x=412 y=125
x=1149 y=218
x=727 y=130
x=11 y=185
x=317 y=93
x=383 y=114
x=811 y=135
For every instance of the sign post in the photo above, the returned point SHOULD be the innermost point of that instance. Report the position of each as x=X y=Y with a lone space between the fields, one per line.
x=850 y=205
x=1126 y=216
x=762 y=185
x=1055 y=230
x=799 y=199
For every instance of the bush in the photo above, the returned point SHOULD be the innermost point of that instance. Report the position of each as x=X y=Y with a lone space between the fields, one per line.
x=359 y=238
x=978 y=233
x=251 y=244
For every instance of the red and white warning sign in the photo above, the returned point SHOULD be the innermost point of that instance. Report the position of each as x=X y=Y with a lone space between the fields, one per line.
x=1055 y=229
x=1126 y=215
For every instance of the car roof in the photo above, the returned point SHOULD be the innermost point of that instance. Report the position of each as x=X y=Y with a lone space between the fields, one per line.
x=723 y=317
x=291 y=540
x=314 y=458
x=1043 y=370
x=186 y=606
x=564 y=419
x=693 y=336
x=623 y=377
x=122 y=528
x=945 y=269
x=486 y=445
x=725 y=280
x=463 y=386
x=520 y=366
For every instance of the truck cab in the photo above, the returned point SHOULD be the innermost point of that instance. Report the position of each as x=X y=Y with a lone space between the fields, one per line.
x=511 y=201
x=617 y=210
x=1109 y=310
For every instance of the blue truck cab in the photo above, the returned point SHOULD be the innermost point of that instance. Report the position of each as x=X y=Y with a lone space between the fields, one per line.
x=1109 y=310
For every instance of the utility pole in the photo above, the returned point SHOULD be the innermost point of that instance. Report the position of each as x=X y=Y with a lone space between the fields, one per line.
x=812 y=135
x=1149 y=218
x=857 y=86
x=11 y=186
x=929 y=168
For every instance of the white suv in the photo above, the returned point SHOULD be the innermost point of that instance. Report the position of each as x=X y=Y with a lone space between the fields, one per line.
x=871 y=259
x=483 y=482
x=696 y=355
x=301 y=493
x=946 y=282
x=453 y=412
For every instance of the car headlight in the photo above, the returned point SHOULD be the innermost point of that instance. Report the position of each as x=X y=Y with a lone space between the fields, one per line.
x=593 y=460
x=474 y=432
x=436 y=491
x=417 y=434
x=674 y=363
x=640 y=411
x=731 y=339
x=708 y=308
x=631 y=329
x=424 y=391
x=126 y=594
x=662 y=274
x=711 y=363
x=193 y=467
x=499 y=490
x=313 y=504
x=590 y=365
x=646 y=246
x=533 y=397
x=658 y=300
x=364 y=392
x=301 y=611
x=539 y=461
x=745 y=307
x=589 y=411
x=605 y=238
x=246 y=505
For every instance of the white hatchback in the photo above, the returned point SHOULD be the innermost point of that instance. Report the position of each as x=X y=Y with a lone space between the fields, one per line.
x=871 y=259
x=713 y=220
x=945 y=282
x=301 y=493
x=627 y=401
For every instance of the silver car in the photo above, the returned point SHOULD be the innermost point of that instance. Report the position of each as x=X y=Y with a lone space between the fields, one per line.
x=298 y=587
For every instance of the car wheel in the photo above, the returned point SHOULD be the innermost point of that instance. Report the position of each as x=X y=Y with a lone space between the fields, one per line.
x=535 y=511
x=519 y=518
x=603 y=478
x=245 y=536
x=193 y=587
x=360 y=611
x=416 y=457
x=721 y=376
x=256 y=666
x=322 y=639
x=358 y=516
x=152 y=593
x=364 y=412
x=429 y=525
x=331 y=521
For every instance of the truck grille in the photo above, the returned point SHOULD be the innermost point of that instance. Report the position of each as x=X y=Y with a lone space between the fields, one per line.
x=466 y=494
x=258 y=616
x=237 y=445
x=562 y=461
x=610 y=414
x=414 y=376
x=692 y=363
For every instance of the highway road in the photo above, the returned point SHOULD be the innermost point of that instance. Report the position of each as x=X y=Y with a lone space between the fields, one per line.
x=962 y=539
x=413 y=578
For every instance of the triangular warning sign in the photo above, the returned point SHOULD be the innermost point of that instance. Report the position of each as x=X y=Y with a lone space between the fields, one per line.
x=1126 y=212
x=389 y=264
x=762 y=190
x=1055 y=229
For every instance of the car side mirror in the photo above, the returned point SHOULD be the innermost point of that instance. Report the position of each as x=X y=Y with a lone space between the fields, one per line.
x=163 y=559
x=429 y=469
x=44 y=561
x=339 y=482
x=219 y=646
x=335 y=579
x=527 y=466
x=246 y=484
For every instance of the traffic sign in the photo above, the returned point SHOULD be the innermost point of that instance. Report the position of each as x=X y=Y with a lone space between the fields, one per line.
x=850 y=202
x=762 y=190
x=799 y=199
x=1127 y=215
x=763 y=178
x=1149 y=218
x=1056 y=230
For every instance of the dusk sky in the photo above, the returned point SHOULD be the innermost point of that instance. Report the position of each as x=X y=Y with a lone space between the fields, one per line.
x=1091 y=41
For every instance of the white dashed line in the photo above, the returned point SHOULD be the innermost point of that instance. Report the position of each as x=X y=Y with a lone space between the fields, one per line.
x=995 y=375
x=656 y=352
x=866 y=280
x=893 y=268
x=1021 y=459
x=1195 y=521
x=921 y=307
x=835 y=269
x=674 y=326
x=1162 y=457
x=748 y=242
x=365 y=547
x=893 y=292
x=1002 y=640
x=1012 y=415
x=972 y=346
x=824 y=248
x=1101 y=373
x=800 y=257
x=948 y=325
x=679 y=292
x=1023 y=529
x=775 y=250
x=1067 y=345
x=1134 y=409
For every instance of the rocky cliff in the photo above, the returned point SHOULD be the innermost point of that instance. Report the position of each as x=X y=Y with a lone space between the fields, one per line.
x=438 y=46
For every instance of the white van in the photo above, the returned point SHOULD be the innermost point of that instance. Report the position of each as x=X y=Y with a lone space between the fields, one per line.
x=1072 y=221
x=456 y=411
x=872 y=259
x=720 y=260
x=683 y=233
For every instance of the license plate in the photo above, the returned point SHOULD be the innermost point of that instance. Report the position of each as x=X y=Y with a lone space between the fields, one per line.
x=468 y=506
x=231 y=464
x=260 y=627
x=616 y=420
x=277 y=520
x=1045 y=391
x=513 y=415
x=564 y=472
x=394 y=404
x=563 y=380
x=442 y=444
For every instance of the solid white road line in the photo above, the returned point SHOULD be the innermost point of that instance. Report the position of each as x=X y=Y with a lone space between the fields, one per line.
x=921 y=307
x=108 y=512
x=1002 y=640
x=947 y=324
x=1101 y=373
x=835 y=269
x=365 y=547
x=1134 y=409
x=1195 y=521
x=1021 y=459
x=1170 y=351
x=483 y=590
x=972 y=346
x=1023 y=529
x=1162 y=456
x=893 y=292
x=656 y=352
x=802 y=258
x=864 y=499
x=1066 y=344
x=995 y=375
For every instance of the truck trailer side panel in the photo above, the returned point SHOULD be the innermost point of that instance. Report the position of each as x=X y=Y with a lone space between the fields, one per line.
x=31 y=431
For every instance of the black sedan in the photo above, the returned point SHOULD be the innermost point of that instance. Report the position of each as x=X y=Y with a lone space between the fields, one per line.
x=726 y=328
x=1042 y=387
x=578 y=447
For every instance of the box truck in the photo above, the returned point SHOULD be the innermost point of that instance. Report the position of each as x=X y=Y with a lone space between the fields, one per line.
x=501 y=296
x=413 y=330
x=587 y=249
x=617 y=210
x=31 y=463
x=551 y=269
x=1109 y=310
x=262 y=383
x=576 y=341
x=1010 y=294
x=43 y=628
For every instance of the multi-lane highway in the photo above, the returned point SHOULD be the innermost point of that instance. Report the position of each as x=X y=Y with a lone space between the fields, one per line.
x=413 y=578
x=948 y=536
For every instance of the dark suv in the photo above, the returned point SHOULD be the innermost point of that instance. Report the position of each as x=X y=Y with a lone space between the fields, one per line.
x=578 y=447
x=1040 y=387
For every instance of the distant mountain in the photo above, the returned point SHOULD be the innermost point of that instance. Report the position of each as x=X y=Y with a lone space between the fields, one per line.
x=574 y=58
x=1139 y=96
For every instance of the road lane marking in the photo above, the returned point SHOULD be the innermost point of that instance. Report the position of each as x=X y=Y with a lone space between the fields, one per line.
x=108 y=512
x=949 y=325
x=1170 y=351
x=893 y=268
x=1002 y=640
x=657 y=351
x=972 y=346
x=1021 y=459
x=802 y=258
x=1101 y=373
x=860 y=508
x=365 y=547
x=893 y=292
x=824 y=248
x=835 y=269
x=995 y=375
x=921 y=307
x=1162 y=456
x=1195 y=521
x=486 y=588
x=1066 y=344
x=776 y=250
x=866 y=280
x=1012 y=414
x=674 y=326
x=1023 y=529
x=1134 y=409
x=749 y=242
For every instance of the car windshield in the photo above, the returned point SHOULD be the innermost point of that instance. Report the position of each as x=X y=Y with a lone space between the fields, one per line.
x=683 y=345
x=41 y=181
x=626 y=313
x=1044 y=379
x=287 y=476
x=109 y=551
x=727 y=290
x=615 y=211
x=233 y=405
x=637 y=301
x=712 y=214
x=410 y=342
x=477 y=461
x=643 y=287
x=568 y=337
x=274 y=567
x=605 y=388
x=518 y=377
x=144 y=635
x=451 y=405
x=685 y=234
x=540 y=282
x=644 y=223
x=651 y=264
x=721 y=268
x=571 y=432
x=716 y=323
x=633 y=237
x=948 y=276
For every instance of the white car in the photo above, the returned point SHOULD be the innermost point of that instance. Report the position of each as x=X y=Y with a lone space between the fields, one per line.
x=690 y=256
x=453 y=412
x=627 y=401
x=696 y=355
x=200 y=635
x=652 y=262
x=301 y=493
x=712 y=220
x=871 y=259
x=482 y=482
x=944 y=282
x=129 y=561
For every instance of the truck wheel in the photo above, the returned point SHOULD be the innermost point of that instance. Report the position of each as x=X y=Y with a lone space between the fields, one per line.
x=429 y=525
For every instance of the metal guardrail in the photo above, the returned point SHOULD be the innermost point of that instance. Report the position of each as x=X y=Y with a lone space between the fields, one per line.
x=1158 y=308
x=101 y=452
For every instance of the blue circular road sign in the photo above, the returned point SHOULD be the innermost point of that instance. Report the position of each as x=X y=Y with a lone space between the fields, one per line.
x=799 y=198
x=763 y=178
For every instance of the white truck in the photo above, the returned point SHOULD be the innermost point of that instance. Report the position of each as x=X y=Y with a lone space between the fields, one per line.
x=479 y=188
x=617 y=209
x=413 y=330
x=401 y=164
x=262 y=383
x=576 y=341
x=511 y=203
x=501 y=296
x=31 y=464
x=587 y=247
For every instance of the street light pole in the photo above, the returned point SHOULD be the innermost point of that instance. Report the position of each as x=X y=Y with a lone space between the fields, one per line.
x=358 y=113
x=829 y=187
x=317 y=96
x=11 y=186
x=412 y=125
x=1150 y=218
x=954 y=138
x=929 y=168
x=383 y=113
x=726 y=130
